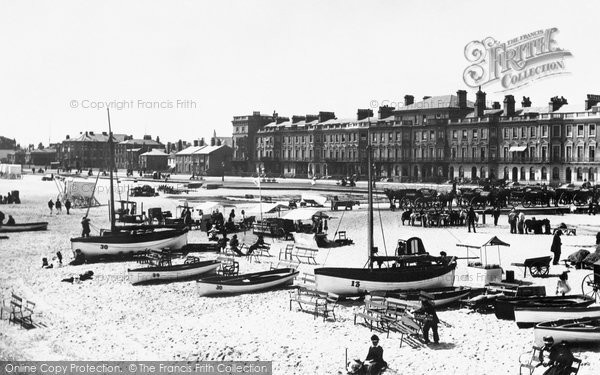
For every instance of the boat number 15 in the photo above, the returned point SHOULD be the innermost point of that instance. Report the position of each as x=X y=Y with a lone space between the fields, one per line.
x=103 y=247
x=356 y=284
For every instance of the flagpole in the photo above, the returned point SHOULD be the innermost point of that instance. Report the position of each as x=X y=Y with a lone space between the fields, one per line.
x=260 y=199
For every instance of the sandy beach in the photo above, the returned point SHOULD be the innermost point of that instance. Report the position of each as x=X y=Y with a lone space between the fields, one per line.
x=109 y=319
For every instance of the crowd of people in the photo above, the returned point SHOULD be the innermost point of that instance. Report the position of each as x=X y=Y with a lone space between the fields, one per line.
x=58 y=205
x=10 y=198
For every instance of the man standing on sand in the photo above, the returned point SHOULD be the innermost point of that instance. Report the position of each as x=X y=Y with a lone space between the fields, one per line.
x=430 y=320
x=58 y=206
x=471 y=219
x=85 y=225
x=50 y=205
x=496 y=214
x=67 y=205
x=556 y=244
x=512 y=220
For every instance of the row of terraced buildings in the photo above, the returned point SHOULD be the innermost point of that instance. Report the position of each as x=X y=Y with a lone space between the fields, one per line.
x=438 y=138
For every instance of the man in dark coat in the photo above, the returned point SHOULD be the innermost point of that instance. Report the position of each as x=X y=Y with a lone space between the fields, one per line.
x=374 y=362
x=51 y=205
x=430 y=320
x=85 y=225
x=67 y=205
x=496 y=214
x=471 y=219
x=559 y=357
x=556 y=244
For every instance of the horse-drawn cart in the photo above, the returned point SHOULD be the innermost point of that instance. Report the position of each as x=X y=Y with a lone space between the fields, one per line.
x=538 y=267
x=591 y=283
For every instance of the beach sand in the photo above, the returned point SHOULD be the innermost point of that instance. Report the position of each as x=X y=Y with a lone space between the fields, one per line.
x=109 y=319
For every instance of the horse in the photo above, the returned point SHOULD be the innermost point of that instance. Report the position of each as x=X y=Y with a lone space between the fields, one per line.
x=537 y=226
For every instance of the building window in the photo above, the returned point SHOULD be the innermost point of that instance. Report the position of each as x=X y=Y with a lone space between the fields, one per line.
x=424 y=135
x=592 y=153
x=474 y=133
x=484 y=134
x=417 y=135
x=569 y=131
x=474 y=153
x=531 y=174
x=544 y=174
x=579 y=174
x=463 y=152
x=555 y=131
x=592 y=130
x=580 y=130
x=505 y=153
x=544 y=154
x=390 y=136
x=544 y=130
x=568 y=153
x=483 y=154
x=515 y=133
x=453 y=153
x=454 y=134
x=523 y=132
x=506 y=135
x=579 y=153
x=464 y=134
x=398 y=136
x=532 y=131
x=432 y=134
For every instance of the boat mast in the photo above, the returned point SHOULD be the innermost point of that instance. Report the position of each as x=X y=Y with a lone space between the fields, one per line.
x=111 y=207
x=370 y=197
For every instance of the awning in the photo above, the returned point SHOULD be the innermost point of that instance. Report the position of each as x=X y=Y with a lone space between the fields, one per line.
x=517 y=148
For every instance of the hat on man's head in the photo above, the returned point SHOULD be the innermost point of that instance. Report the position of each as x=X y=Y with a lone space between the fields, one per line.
x=374 y=338
x=548 y=339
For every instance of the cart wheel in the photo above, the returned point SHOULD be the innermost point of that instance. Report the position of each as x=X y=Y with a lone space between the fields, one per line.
x=539 y=270
x=589 y=288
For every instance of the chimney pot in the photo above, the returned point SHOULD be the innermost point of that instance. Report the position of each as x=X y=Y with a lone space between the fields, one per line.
x=408 y=100
x=462 y=99
x=509 y=106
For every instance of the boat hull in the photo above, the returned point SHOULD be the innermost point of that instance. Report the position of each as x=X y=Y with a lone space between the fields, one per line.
x=171 y=273
x=24 y=227
x=248 y=283
x=440 y=297
x=128 y=244
x=504 y=307
x=530 y=316
x=359 y=281
x=583 y=331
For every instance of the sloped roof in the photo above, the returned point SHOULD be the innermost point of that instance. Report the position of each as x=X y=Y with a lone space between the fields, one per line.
x=435 y=102
x=190 y=150
x=96 y=137
x=140 y=142
x=209 y=149
x=155 y=152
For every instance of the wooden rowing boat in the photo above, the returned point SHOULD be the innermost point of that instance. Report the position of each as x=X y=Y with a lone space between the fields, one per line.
x=504 y=307
x=247 y=283
x=530 y=316
x=571 y=330
x=24 y=227
x=440 y=297
x=175 y=272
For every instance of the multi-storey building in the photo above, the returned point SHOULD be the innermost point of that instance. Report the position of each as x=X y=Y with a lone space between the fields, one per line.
x=88 y=150
x=127 y=152
x=243 y=140
x=438 y=138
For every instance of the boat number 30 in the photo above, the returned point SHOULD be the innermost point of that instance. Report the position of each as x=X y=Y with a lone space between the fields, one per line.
x=356 y=284
x=219 y=287
x=103 y=247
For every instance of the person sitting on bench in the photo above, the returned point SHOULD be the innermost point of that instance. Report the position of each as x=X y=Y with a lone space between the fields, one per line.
x=558 y=357
x=260 y=242
x=234 y=244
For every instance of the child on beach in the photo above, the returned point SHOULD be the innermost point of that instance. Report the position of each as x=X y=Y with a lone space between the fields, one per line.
x=562 y=286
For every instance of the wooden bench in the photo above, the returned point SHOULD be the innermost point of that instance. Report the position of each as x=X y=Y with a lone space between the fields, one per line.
x=373 y=315
x=315 y=302
x=287 y=252
x=229 y=266
x=305 y=253
x=261 y=251
x=409 y=331
x=306 y=281
x=19 y=311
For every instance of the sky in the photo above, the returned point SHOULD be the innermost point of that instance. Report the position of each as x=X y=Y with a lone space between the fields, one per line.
x=183 y=69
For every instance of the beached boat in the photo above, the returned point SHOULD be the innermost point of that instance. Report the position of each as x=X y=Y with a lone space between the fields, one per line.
x=248 y=283
x=440 y=297
x=410 y=268
x=530 y=316
x=504 y=307
x=119 y=242
x=24 y=227
x=572 y=331
x=175 y=272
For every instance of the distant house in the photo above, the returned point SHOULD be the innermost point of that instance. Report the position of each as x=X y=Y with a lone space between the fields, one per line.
x=154 y=160
x=127 y=153
x=88 y=150
x=7 y=147
x=204 y=160
x=42 y=157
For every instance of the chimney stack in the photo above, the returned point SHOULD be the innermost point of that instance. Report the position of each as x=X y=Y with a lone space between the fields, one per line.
x=526 y=103
x=68 y=137
x=362 y=114
x=479 y=103
x=509 y=106
x=462 y=99
x=195 y=143
x=556 y=103
x=324 y=116
x=311 y=118
x=496 y=105
x=386 y=111
x=296 y=119
x=591 y=101
x=408 y=100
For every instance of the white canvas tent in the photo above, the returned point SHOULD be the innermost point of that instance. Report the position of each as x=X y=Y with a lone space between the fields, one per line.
x=10 y=171
x=306 y=214
x=80 y=193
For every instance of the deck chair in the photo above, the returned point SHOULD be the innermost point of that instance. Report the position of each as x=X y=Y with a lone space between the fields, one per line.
x=530 y=360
